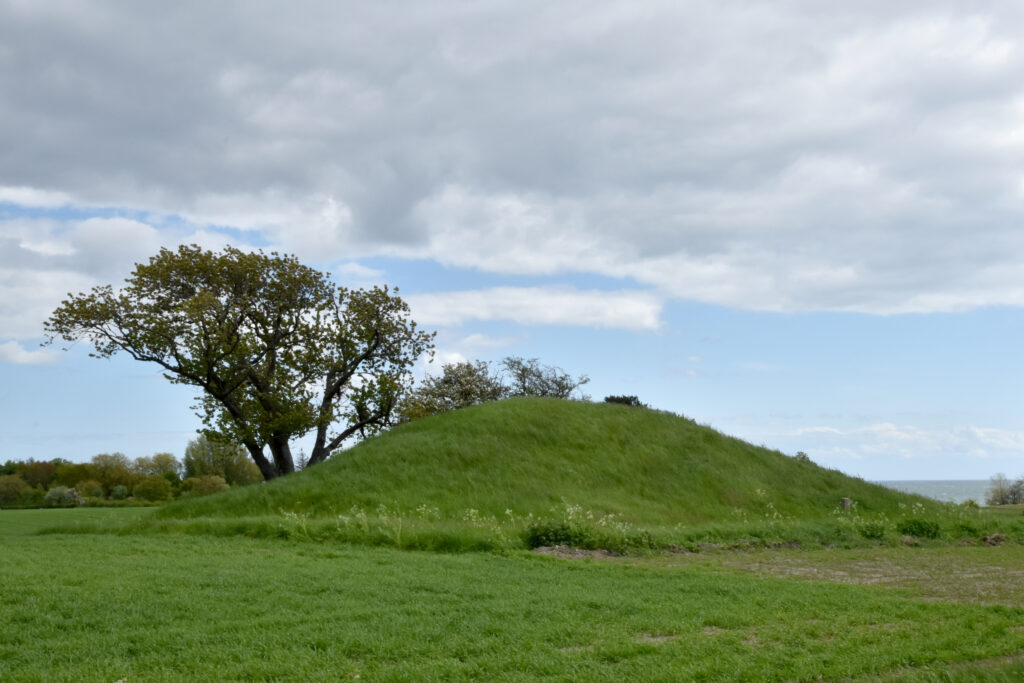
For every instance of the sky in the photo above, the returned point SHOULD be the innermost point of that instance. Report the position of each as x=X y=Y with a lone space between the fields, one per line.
x=797 y=222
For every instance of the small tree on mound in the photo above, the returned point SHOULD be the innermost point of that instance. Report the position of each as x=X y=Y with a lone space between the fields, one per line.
x=468 y=383
x=527 y=377
x=459 y=385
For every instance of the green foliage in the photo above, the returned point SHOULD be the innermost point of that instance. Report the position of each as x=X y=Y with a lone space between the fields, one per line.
x=873 y=529
x=528 y=378
x=459 y=385
x=631 y=401
x=37 y=473
x=1002 y=491
x=12 y=489
x=70 y=473
x=465 y=384
x=275 y=348
x=205 y=485
x=206 y=456
x=61 y=496
x=90 y=488
x=160 y=464
x=919 y=528
x=111 y=469
x=119 y=492
x=541 y=534
x=153 y=487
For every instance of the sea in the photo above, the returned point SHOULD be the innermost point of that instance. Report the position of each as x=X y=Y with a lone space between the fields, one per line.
x=946 y=490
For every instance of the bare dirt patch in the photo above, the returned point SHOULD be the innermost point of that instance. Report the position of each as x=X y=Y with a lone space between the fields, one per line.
x=990 y=575
x=566 y=552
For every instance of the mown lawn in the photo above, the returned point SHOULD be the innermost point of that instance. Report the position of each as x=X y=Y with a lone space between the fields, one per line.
x=100 y=607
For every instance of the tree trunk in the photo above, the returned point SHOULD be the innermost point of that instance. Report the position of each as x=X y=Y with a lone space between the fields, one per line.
x=282 y=453
x=267 y=468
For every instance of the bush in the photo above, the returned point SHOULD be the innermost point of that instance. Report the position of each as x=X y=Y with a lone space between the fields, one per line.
x=153 y=487
x=872 y=530
x=919 y=528
x=631 y=401
x=119 y=492
x=543 y=534
x=1002 y=491
x=90 y=488
x=61 y=496
x=12 y=489
x=205 y=485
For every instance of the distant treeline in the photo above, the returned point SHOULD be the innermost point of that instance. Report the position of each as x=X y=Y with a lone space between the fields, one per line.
x=114 y=479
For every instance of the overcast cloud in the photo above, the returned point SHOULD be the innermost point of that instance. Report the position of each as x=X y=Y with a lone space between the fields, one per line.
x=791 y=156
x=540 y=306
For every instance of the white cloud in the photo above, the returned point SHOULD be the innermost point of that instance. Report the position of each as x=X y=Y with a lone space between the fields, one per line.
x=42 y=260
x=28 y=297
x=540 y=306
x=759 y=156
x=508 y=233
x=108 y=247
x=886 y=441
x=33 y=197
x=480 y=342
x=13 y=352
x=355 y=274
x=444 y=357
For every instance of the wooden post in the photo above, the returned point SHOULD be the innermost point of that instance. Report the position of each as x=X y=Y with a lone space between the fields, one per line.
x=846 y=504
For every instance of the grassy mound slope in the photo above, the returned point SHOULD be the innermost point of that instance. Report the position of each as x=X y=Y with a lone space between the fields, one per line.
x=649 y=468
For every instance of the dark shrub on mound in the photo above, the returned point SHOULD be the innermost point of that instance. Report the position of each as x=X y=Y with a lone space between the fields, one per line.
x=543 y=534
x=919 y=528
x=632 y=401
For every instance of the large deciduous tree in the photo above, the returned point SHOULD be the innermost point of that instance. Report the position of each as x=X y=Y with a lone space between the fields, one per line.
x=277 y=349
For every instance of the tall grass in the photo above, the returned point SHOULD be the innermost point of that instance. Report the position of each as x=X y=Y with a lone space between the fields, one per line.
x=646 y=467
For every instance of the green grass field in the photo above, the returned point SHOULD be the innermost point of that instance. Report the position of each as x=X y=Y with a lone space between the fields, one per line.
x=679 y=554
x=101 y=607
